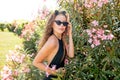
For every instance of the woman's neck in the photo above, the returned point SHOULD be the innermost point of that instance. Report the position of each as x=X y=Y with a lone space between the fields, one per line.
x=59 y=36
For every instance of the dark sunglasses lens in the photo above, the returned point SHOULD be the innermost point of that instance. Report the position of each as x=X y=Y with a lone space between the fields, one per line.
x=58 y=22
x=65 y=23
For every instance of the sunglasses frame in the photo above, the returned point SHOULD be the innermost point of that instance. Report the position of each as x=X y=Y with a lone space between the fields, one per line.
x=58 y=22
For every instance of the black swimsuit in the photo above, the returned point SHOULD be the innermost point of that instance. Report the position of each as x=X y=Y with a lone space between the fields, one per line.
x=58 y=60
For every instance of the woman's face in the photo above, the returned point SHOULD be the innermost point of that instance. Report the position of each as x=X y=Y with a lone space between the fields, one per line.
x=59 y=24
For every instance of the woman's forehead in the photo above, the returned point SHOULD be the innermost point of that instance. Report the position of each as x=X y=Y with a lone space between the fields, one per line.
x=61 y=17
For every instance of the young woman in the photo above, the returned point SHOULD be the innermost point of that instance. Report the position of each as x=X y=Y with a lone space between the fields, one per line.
x=54 y=47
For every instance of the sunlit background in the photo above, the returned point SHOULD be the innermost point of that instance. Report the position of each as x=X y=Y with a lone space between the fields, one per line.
x=23 y=9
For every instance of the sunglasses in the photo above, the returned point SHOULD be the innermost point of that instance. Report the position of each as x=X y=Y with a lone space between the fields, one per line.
x=58 y=22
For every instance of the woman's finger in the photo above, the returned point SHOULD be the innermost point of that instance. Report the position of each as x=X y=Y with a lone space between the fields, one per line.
x=68 y=18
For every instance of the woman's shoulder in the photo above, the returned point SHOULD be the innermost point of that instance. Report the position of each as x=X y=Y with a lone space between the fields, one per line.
x=52 y=41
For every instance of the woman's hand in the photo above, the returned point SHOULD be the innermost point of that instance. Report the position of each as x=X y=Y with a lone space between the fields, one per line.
x=51 y=71
x=69 y=29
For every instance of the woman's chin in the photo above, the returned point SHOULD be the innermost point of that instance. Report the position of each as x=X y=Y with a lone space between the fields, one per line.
x=60 y=32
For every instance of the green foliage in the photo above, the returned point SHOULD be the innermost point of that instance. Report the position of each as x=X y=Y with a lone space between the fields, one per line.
x=32 y=43
x=10 y=27
x=101 y=62
x=2 y=26
x=18 y=29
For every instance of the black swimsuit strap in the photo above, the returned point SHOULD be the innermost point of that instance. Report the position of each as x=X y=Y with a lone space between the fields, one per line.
x=57 y=37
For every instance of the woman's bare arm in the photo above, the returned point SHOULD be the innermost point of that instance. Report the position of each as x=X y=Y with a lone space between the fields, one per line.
x=70 y=48
x=43 y=54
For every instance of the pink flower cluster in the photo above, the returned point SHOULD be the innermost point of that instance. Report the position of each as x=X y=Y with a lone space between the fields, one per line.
x=28 y=30
x=10 y=74
x=66 y=61
x=16 y=64
x=25 y=69
x=97 y=35
x=6 y=74
x=15 y=56
x=91 y=3
x=95 y=23
x=43 y=13
x=53 y=68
